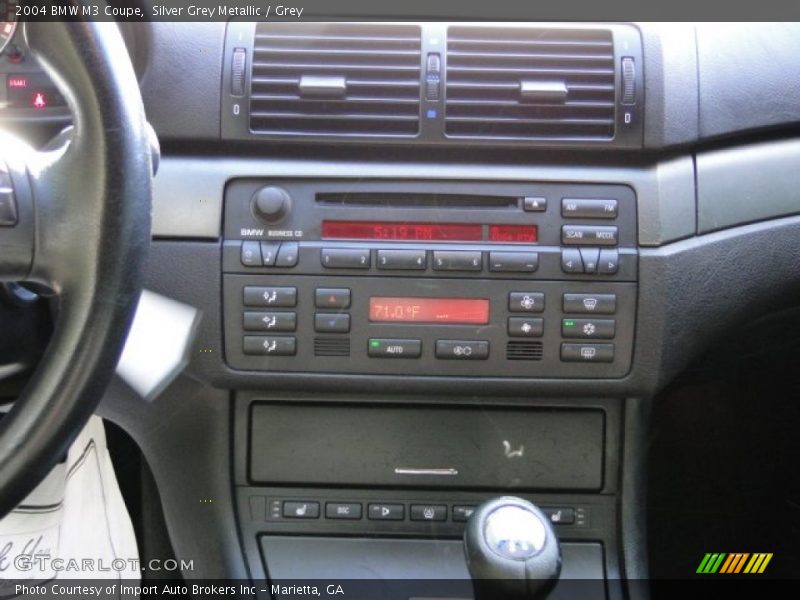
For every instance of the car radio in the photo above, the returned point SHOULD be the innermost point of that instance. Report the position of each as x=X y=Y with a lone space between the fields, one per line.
x=430 y=278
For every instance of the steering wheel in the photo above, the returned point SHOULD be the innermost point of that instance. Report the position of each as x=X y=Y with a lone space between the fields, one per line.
x=82 y=228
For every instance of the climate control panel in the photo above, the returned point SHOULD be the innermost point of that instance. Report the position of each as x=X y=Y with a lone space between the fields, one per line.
x=461 y=279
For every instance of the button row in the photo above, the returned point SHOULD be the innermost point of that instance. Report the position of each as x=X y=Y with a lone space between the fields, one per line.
x=589 y=235
x=411 y=348
x=417 y=260
x=586 y=208
x=375 y=512
x=533 y=302
x=459 y=513
x=590 y=261
x=270 y=254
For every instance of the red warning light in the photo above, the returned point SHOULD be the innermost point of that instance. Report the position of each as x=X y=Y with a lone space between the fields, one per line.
x=17 y=82
x=39 y=100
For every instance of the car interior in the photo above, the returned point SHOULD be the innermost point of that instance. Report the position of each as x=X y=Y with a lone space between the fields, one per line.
x=475 y=309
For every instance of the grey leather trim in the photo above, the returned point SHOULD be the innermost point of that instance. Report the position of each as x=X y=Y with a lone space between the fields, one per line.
x=748 y=184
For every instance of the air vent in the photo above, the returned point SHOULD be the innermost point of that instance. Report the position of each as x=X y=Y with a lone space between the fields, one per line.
x=519 y=350
x=332 y=346
x=335 y=79
x=536 y=83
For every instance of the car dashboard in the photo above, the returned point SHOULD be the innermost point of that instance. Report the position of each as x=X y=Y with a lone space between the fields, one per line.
x=441 y=262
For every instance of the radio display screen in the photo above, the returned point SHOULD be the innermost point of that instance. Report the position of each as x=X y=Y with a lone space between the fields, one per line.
x=460 y=311
x=402 y=231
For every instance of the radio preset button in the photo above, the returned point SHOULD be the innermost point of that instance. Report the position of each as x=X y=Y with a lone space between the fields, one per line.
x=525 y=327
x=269 y=346
x=345 y=258
x=601 y=304
x=462 y=349
x=588 y=328
x=587 y=352
x=513 y=262
x=526 y=302
x=416 y=260
x=589 y=208
x=332 y=297
x=270 y=296
x=571 y=261
x=393 y=348
x=270 y=321
x=269 y=252
x=454 y=260
x=332 y=322
x=534 y=204
x=251 y=254
x=589 y=235
x=288 y=254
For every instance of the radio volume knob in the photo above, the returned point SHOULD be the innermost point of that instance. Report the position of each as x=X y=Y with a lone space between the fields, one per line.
x=271 y=203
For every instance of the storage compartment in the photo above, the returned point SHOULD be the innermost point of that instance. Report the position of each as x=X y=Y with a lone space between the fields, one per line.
x=459 y=447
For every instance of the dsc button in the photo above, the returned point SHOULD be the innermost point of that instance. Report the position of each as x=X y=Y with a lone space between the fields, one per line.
x=343 y=510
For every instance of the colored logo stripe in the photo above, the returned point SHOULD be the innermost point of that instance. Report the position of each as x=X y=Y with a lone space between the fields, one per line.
x=733 y=563
x=711 y=563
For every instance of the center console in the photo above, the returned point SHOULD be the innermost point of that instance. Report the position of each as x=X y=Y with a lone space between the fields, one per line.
x=425 y=278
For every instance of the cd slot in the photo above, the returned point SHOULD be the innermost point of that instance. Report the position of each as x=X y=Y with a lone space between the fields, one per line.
x=401 y=199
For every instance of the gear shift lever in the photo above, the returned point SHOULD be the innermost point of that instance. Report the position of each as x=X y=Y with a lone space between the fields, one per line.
x=512 y=550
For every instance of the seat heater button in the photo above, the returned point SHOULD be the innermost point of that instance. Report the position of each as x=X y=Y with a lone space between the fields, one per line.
x=301 y=510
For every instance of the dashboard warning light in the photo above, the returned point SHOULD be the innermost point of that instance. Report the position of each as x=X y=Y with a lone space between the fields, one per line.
x=39 y=100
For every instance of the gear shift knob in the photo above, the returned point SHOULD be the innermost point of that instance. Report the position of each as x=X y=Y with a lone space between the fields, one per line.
x=512 y=550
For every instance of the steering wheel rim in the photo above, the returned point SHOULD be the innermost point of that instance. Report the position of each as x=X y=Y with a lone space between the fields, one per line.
x=83 y=229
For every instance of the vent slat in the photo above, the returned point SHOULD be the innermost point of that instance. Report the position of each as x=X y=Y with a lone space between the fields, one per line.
x=486 y=69
x=363 y=52
x=471 y=56
x=353 y=99
x=379 y=63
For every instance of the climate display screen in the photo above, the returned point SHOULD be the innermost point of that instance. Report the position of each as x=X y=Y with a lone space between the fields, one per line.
x=463 y=311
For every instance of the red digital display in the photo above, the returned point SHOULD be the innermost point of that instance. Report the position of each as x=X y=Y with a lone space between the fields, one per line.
x=513 y=234
x=400 y=231
x=463 y=311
